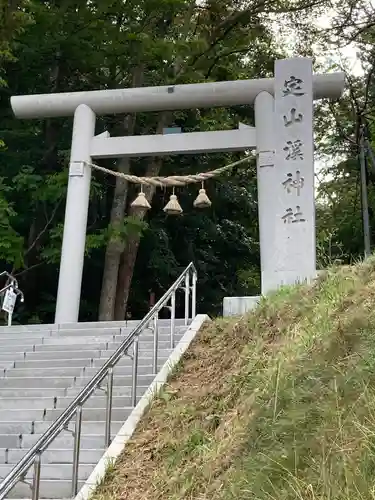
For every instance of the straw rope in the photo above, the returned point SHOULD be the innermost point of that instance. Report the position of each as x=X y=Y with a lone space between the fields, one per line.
x=174 y=180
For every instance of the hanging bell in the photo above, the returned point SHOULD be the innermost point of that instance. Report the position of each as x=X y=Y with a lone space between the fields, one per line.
x=141 y=201
x=202 y=200
x=173 y=207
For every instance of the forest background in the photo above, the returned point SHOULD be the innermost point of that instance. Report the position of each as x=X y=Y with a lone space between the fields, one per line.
x=68 y=45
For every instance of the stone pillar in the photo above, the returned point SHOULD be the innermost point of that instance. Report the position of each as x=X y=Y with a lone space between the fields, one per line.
x=264 y=118
x=293 y=256
x=77 y=203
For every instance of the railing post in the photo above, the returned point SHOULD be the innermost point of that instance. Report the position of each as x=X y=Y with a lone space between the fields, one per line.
x=173 y=317
x=108 y=412
x=77 y=446
x=194 y=295
x=135 y=371
x=156 y=343
x=36 y=478
x=187 y=290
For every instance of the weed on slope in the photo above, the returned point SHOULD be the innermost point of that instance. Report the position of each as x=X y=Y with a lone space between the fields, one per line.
x=278 y=404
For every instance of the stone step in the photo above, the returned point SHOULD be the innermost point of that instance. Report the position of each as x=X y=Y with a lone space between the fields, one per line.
x=52 y=455
x=93 y=332
x=57 y=363
x=27 y=415
x=11 y=357
x=14 y=329
x=82 y=326
x=64 y=382
x=71 y=353
x=46 y=363
x=71 y=342
x=113 y=324
x=57 y=354
x=36 y=382
x=49 y=489
x=118 y=391
x=121 y=370
x=124 y=332
x=101 y=401
x=65 y=440
x=84 y=349
x=53 y=471
x=32 y=393
x=41 y=403
x=28 y=403
x=93 y=414
x=74 y=339
x=38 y=427
x=50 y=415
x=6 y=365
x=62 y=392
x=20 y=341
x=75 y=371
x=100 y=345
x=22 y=344
x=122 y=380
x=144 y=359
x=29 y=336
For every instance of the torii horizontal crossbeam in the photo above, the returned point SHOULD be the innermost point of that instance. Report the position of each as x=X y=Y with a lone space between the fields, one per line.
x=162 y=98
x=160 y=145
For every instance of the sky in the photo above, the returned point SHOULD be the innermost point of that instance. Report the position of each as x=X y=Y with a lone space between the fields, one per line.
x=347 y=54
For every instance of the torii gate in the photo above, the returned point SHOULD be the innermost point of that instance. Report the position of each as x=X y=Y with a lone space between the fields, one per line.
x=282 y=136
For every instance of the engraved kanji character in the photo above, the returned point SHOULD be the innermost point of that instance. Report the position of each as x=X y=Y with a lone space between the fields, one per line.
x=293 y=87
x=293 y=118
x=293 y=148
x=296 y=183
x=292 y=217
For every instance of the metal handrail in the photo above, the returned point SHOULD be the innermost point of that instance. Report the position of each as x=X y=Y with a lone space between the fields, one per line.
x=33 y=456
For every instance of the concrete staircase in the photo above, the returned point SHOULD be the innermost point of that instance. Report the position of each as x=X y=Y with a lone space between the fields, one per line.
x=42 y=369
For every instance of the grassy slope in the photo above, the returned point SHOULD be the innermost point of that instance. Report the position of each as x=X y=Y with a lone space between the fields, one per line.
x=276 y=405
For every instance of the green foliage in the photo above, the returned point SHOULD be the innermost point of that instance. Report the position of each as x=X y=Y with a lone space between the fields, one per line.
x=11 y=243
x=130 y=226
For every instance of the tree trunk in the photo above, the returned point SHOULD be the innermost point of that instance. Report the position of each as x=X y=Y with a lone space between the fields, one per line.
x=115 y=246
x=129 y=254
x=130 y=251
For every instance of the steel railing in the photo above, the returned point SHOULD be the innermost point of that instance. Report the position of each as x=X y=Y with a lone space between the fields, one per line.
x=34 y=456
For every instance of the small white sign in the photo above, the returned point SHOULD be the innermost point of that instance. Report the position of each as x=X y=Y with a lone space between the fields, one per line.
x=76 y=169
x=266 y=159
x=9 y=301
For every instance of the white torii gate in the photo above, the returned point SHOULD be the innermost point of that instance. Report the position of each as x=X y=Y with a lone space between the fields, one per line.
x=283 y=138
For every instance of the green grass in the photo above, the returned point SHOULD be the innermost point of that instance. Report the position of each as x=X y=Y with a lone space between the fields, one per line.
x=279 y=404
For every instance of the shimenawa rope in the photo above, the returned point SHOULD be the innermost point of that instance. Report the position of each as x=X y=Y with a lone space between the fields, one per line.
x=171 y=181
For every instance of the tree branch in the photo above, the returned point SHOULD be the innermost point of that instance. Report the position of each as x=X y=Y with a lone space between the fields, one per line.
x=43 y=231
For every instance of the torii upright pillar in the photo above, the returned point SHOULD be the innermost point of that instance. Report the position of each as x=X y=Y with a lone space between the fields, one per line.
x=285 y=170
